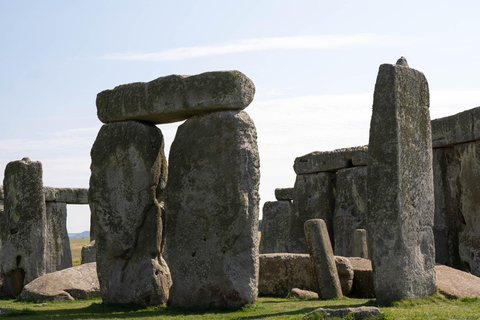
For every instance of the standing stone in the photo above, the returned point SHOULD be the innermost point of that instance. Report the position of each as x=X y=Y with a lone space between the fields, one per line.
x=89 y=254
x=212 y=203
x=400 y=186
x=128 y=176
x=323 y=260
x=59 y=254
x=350 y=208
x=23 y=226
x=360 y=244
x=313 y=199
x=275 y=226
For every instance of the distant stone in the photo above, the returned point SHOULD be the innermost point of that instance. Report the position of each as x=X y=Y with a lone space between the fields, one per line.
x=212 y=203
x=350 y=209
x=360 y=243
x=331 y=161
x=79 y=282
x=1 y=192
x=357 y=313
x=303 y=294
x=72 y=195
x=323 y=260
x=176 y=98
x=89 y=254
x=400 y=186
x=362 y=278
x=275 y=226
x=59 y=254
x=456 y=284
x=128 y=176
x=284 y=193
x=459 y=128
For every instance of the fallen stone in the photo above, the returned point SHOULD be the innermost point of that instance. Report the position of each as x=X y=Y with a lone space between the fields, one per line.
x=79 y=282
x=212 y=203
x=455 y=284
x=128 y=176
x=459 y=128
x=89 y=254
x=284 y=193
x=176 y=98
x=275 y=226
x=323 y=260
x=357 y=313
x=303 y=294
x=331 y=161
x=362 y=278
x=400 y=186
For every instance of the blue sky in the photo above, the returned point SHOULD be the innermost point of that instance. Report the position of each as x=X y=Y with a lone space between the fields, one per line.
x=314 y=65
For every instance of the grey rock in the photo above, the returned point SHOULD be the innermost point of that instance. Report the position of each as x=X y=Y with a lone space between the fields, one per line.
x=1 y=192
x=360 y=243
x=402 y=62
x=275 y=226
x=303 y=294
x=128 y=175
x=49 y=193
x=89 y=254
x=284 y=193
x=212 y=203
x=350 y=208
x=72 y=195
x=357 y=313
x=362 y=278
x=58 y=253
x=79 y=282
x=400 y=186
x=22 y=226
x=345 y=274
x=176 y=98
x=314 y=199
x=323 y=260
x=331 y=161
x=459 y=128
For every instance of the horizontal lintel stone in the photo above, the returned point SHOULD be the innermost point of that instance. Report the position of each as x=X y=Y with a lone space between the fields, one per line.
x=331 y=161
x=458 y=128
x=284 y=193
x=176 y=97
x=66 y=195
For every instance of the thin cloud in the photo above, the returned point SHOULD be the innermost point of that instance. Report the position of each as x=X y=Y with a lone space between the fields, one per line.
x=263 y=44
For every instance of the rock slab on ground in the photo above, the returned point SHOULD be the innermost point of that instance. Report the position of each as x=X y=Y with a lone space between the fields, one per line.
x=79 y=282
x=303 y=294
x=455 y=284
x=212 y=203
x=175 y=97
x=357 y=313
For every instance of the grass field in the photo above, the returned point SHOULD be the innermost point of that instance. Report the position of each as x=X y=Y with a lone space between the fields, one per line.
x=435 y=307
x=76 y=246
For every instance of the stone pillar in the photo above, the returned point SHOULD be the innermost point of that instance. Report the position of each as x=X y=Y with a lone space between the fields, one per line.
x=128 y=176
x=323 y=260
x=360 y=243
x=400 y=185
x=22 y=226
x=59 y=254
x=275 y=226
x=212 y=203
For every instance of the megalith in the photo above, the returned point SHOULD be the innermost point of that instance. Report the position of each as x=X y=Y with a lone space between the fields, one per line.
x=212 y=203
x=59 y=255
x=400 y=185
x=128 y=176
x=275 y=226
x=23 y=226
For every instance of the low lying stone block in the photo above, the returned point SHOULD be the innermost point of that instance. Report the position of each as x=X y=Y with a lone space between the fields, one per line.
x=303 y=294
x=459 y=128
x=356 y=313
x=320 y=161
x=175 y=97
x=284 y=193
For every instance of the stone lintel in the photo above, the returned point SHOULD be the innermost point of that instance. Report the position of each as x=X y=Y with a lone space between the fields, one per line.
x=66 y=195
x=458 y=128
x=331 y=161
x=284 y=193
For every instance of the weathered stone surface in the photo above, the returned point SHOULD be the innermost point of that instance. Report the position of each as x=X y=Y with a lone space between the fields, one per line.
x=362 y=278
x=49 y=193
x=1 y=192
x=303 y=294
x=212 y=203
x=128 y=175
x=459 y=128
x=72 y=195
x=176 y=98
x=89 y=254
x=350 y=209
x=356 y=313
x=23 y=226
x=320 y=161
x=360 y=243
x=323 y=260
x=281 y=272
x=58 y=253
x=469 y=204
x=275 y=226
x=284 y=193
x=314 y=199
x=455 y=284
x=400 y=186
x=79 y=282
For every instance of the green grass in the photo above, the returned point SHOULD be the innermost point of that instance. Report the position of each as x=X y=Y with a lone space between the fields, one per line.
x=76 y=247
x=435 y=307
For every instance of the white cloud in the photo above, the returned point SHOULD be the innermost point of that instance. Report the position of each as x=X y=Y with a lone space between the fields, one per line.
x=325 y=42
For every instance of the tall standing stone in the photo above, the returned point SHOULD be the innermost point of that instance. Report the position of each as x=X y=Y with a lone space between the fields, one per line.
x=23 y=226
x=128 y=176
x=212 y=203
x=59 y=255
x=400 y=185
